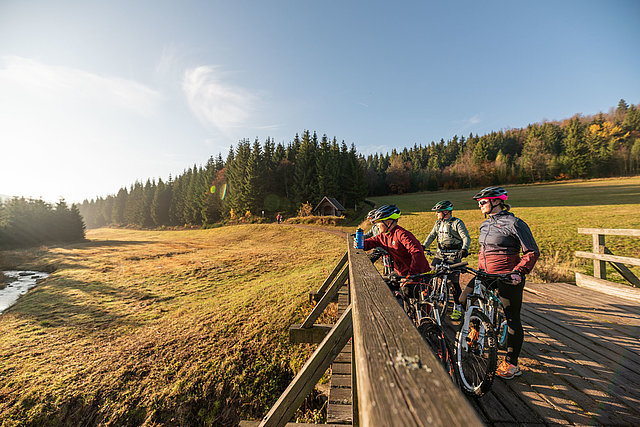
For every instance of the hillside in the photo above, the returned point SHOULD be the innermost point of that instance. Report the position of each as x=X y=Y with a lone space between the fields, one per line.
x=554 y=213
x=159 y=328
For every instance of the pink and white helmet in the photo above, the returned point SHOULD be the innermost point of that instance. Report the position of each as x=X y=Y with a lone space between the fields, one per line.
x=491 y=193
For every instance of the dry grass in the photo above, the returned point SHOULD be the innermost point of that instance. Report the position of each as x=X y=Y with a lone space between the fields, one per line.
x=155 y=328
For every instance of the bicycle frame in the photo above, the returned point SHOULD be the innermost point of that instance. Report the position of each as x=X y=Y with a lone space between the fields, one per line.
x=478 y=292
x=487 y=301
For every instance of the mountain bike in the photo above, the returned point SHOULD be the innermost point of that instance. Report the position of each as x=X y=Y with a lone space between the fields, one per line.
x=422 y=307
x=441 y=285
x=476 y=342
x=387 y=262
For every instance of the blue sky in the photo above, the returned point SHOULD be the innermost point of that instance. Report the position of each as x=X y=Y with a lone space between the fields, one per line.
x=96 y=95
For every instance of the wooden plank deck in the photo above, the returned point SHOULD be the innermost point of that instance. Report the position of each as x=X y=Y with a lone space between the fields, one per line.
x=339 y=408
x=580 y=361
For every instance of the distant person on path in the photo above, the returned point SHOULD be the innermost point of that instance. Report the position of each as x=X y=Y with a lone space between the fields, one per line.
x=278 y=218
x=405 y=250
x=502 y=237
x=453 y=245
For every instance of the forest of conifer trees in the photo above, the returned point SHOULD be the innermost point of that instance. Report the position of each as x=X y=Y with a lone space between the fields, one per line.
x=33 y=222
x=273 y=178
x=255 y=177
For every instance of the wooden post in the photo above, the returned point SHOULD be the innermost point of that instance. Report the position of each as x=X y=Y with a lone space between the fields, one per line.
x=310 y=373
x=323 y=288
x=624 y=271
x=599 y=267
x=329 y=295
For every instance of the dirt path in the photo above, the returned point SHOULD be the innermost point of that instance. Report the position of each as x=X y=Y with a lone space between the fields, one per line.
x=318 y=228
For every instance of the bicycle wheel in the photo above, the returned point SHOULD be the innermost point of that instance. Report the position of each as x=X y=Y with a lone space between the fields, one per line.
x=437 y=340
x=476 y=354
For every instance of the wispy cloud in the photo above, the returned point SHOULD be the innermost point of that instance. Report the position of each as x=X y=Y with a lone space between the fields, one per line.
x=473 y=120
x=466 y=124
x=66 y=83
x=215 y=102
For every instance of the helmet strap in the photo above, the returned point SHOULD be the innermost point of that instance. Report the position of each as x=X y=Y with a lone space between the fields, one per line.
x=493 y=206
x=390 y=227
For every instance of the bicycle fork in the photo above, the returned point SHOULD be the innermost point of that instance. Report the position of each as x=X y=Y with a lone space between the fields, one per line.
x=478 y=343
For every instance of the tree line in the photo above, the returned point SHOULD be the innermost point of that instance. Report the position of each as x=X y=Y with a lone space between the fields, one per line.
x=602 y=145
x=256 y=179
x=27 y=222
x=268 y=177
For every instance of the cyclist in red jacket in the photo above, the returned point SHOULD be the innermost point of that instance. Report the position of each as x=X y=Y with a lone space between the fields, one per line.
x=401 y=245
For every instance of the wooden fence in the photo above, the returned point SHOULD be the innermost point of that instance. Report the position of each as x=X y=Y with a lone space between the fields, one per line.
x=601 y=255
x=396 y=379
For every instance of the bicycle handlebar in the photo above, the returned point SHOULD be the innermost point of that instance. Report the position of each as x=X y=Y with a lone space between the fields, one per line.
x=440 y=268
x=486 y=275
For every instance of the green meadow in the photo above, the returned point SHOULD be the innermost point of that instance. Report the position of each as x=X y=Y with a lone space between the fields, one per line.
x=553 y=211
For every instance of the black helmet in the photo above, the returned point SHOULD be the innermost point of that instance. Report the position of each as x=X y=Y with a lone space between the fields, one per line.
x=385 y=212
x=371 y=212
x=492 y=193
x=443 y=205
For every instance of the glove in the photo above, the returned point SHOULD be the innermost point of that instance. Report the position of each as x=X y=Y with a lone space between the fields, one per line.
x=516 y=277
x=463 y=253
x=394 y=276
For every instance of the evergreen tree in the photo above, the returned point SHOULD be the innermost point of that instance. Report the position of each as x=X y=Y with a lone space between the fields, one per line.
x=119 y=205
x=254 y=180
x=305 y=176
x=577 y=152
x=160 y=204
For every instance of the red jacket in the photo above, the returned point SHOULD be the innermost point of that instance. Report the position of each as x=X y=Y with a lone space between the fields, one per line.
x=403 y=247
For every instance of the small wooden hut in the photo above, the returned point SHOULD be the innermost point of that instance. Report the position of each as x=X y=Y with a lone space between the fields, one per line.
x=329 y=206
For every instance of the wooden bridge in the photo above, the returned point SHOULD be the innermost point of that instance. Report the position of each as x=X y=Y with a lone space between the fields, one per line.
x=580 y=360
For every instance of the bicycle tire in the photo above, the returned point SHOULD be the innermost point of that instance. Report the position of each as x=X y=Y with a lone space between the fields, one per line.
x=476 y=369
x=442 y=348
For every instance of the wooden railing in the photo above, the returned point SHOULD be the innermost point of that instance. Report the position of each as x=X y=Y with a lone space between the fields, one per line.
x=397 y=380
x=601 y=255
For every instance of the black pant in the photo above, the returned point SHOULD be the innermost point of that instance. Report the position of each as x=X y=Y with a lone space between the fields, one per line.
x=511 y=297
x=454 y=278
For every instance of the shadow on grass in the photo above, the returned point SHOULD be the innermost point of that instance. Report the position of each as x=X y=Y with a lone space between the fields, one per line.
x=110 y=243
x=88 y=307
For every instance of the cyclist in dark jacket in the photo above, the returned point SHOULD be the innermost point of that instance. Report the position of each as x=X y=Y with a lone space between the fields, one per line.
x=502 y=237
x=453 y=245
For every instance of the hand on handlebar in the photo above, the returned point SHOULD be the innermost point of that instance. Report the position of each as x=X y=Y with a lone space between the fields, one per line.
x=463 y=253
x=516 y=278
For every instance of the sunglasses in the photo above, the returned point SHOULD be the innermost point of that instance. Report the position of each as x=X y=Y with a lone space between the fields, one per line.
x=482 y=202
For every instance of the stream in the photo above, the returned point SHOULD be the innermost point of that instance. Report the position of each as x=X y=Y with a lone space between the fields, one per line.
x=19 y=284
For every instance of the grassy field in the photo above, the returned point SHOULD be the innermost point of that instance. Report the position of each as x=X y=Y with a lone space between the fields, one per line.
x=190 y=327
x=554 y=213
x=159 y=328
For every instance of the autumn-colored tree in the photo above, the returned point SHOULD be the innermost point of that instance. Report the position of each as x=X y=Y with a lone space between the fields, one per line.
x=398 y=175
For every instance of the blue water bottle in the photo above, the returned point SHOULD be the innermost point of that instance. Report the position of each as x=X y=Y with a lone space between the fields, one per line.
x=359 y=239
